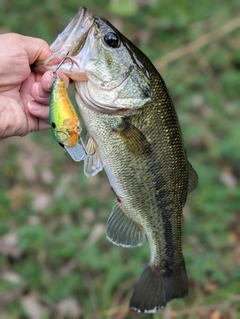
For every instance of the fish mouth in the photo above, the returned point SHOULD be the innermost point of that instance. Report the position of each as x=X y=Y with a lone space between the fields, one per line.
x=68 y=44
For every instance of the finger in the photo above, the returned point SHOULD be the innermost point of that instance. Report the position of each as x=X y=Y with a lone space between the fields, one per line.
x=42 y=125
x=47 y=80
x=41 y=90
x=39 y=94
x=38 y=110
x=36 y=49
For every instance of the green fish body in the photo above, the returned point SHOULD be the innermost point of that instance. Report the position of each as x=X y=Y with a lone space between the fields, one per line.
x=136 y=137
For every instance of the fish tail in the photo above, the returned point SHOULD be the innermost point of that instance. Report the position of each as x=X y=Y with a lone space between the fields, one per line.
x=158 y=286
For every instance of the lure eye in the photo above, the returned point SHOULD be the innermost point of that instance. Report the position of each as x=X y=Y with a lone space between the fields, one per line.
x=112 y=40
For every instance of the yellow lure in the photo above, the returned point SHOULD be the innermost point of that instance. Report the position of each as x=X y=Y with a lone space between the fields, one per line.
x=64 y=121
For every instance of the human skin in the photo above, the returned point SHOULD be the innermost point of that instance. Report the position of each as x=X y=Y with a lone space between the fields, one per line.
x=24 y=95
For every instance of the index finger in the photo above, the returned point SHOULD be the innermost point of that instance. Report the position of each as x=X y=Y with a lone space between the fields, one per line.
x=47 y=80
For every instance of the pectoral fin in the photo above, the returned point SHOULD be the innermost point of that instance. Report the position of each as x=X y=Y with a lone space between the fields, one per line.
x=192 y=178
x=93 y=163
x=133 y=138
x=77 y=152
x=123 y=231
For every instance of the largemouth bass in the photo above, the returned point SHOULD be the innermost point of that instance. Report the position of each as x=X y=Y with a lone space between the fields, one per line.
x=136 y=137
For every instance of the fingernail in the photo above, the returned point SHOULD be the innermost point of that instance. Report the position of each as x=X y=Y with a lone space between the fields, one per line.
x=50 y=83
x=40 y=92
x=35 y=106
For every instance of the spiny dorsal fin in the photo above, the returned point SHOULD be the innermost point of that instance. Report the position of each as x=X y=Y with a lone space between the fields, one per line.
x=76 y=152
x=123 y=231
x=93 y=163
x=192 y=178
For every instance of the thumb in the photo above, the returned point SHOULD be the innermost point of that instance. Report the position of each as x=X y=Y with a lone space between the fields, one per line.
x=36 y=48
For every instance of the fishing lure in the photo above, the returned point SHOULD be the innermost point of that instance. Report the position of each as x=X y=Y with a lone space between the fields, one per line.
x=64 y=122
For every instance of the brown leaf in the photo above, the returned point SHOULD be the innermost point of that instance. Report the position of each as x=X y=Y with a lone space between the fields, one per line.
x=70 y=307
x=8 y=245
x=227 y=177
x=97 y=231
x=11 y=276
x=41 y=201
x=32 y=306
x=215 y=315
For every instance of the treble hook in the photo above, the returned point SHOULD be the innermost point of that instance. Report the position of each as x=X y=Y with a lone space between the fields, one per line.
x=78 y=131
x=54 y=73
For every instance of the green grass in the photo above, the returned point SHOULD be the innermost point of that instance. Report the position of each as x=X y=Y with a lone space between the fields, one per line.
x=52 y=217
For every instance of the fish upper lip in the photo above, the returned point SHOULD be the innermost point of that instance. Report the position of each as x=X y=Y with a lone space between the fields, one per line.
x=75 y=32
x=70 y=40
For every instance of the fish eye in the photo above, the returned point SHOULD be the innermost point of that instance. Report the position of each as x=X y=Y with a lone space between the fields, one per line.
x=112 y=40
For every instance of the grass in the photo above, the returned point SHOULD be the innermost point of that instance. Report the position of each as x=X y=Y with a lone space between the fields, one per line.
x=54 y=256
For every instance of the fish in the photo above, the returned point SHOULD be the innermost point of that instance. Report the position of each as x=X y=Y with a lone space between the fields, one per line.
x=136 y=137
x=64 y=121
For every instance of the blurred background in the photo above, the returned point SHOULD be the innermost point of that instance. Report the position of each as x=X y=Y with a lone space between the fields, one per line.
x=55 y=261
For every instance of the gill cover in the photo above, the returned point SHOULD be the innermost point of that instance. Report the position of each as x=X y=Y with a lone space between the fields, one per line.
x=116 y=78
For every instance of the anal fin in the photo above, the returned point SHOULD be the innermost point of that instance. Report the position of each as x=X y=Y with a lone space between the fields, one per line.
x=123 y=231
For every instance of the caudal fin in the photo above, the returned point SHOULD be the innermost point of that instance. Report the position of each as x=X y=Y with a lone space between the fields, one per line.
x=156 y=287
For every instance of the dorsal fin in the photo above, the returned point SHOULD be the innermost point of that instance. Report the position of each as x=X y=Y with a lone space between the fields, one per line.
x=192 y=178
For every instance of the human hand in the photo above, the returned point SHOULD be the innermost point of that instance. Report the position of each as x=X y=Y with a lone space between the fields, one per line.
x=24 y=95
